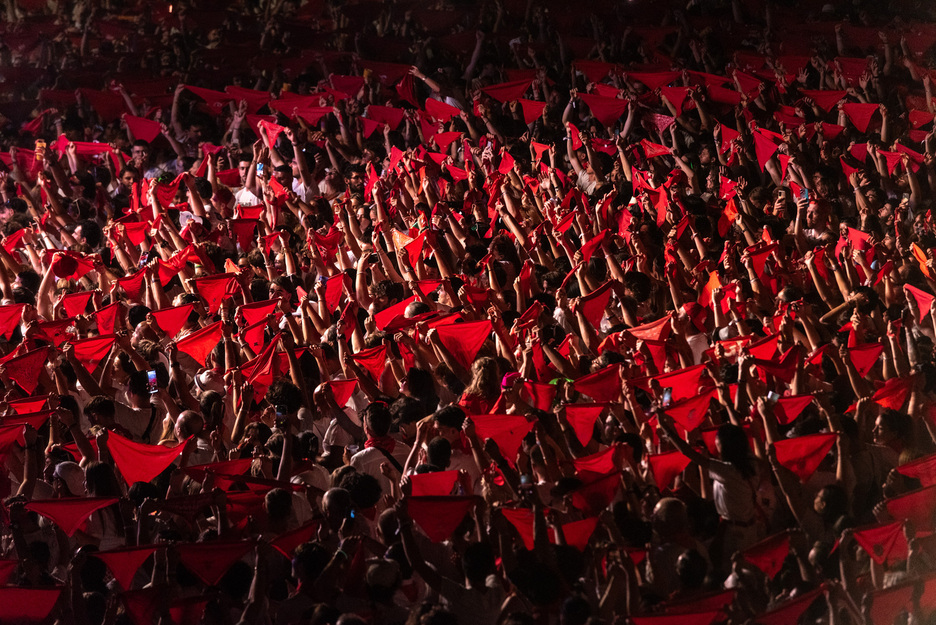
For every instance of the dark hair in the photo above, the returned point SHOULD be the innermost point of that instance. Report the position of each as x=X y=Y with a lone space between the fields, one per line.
x=92 y=233
x=439 y=452
x=377 y=418
x=735 y=449
x=284 y=393
x=450 y=416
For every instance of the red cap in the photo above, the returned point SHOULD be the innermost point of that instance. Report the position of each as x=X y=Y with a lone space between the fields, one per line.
x=463 y=340
x=69 y=514
x=803 y=455
x=505 y=430
x=768 y=555
x=138 y=462
x=200 y=343
x=436 y=484
x=439 y=516
x=373 y=360
x=211 y=560
x=666 y=467
x=603 y=386
x=124 y=563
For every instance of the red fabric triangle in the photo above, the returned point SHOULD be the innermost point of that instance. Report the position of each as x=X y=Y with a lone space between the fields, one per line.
x=923 y=299
x=440 y=111
x=243 y=230
x=445 y=139
x=582 y=418
x=270 y=130
x=31 y=605
x=257 y=311
x=143 y=129
x=200 y=343
x=600 y=463
x=769 y=554
x=532 y=110
x=578 y=533
x=864 y=357
x=666 y=467
x=505 y=430
x=764 y=148
x=860 y=114
x=826 y=100
x=342 y=390
x=189 y=611
x=463 y=340
x=69 y=514
x=211 y=560
x=385 y=316
x=76 y=303
x=803 y=455
x=676 y=96
x=286 y=543
x=923 y=469
x=29 y=404
x=602 y=386
x=388 y=115
x=538 y=395
x=231 y=468
x=374 y=360
x=593 y=244
x=691 y=412
x=594 y=304
x=884 y=543
x=508 y=91
x=439 y=516
x=916 y=506
x=25 y=369
x=783 y=369
x=791 y=611
x=133 y=285
x=124 y=563
x=171 y=320
x=34 y=419
x=435 y=484
x=522 y=519
x=214 y=289
x=789 y=408
x=139 y=462
x=887 y=604
x=598 y=494
x=10 y=317
x=91 y=352
x=263 y=369
x=654 y=80
x=691 y=618
x=684 y=382
x=606 y=110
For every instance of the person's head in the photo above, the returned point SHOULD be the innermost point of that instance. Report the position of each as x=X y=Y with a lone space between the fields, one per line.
x=892 y=428
x=128 y=177
x=284 y=396
x=449 y=422
x=382 y=579
x=377 y=419
x=354 y=178
x=669 y=519
x=284 y=175
x=68 y=480
x=831 y=503
x=732 y=445
x=140 y=153
x=478 y=563
x=337 y=506
x=100 y=410
x=309 y=560
x=278 y=504
x=189 y=424
x=691 y=569
x=485 y=379
x=439 y=452
x=576 y=610
x=100 y=480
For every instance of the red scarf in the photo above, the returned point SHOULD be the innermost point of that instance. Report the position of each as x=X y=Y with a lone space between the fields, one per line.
x=381 y=442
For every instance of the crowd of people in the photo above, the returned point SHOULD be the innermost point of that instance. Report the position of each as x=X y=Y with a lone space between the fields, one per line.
x=457 y=313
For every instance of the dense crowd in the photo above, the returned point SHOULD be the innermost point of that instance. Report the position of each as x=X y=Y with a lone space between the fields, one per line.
x=457 y=313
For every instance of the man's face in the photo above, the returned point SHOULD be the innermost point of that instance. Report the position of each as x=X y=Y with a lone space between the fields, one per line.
x=128 y=179
x=242 y=168
x=140 y=154
x=355 y=182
